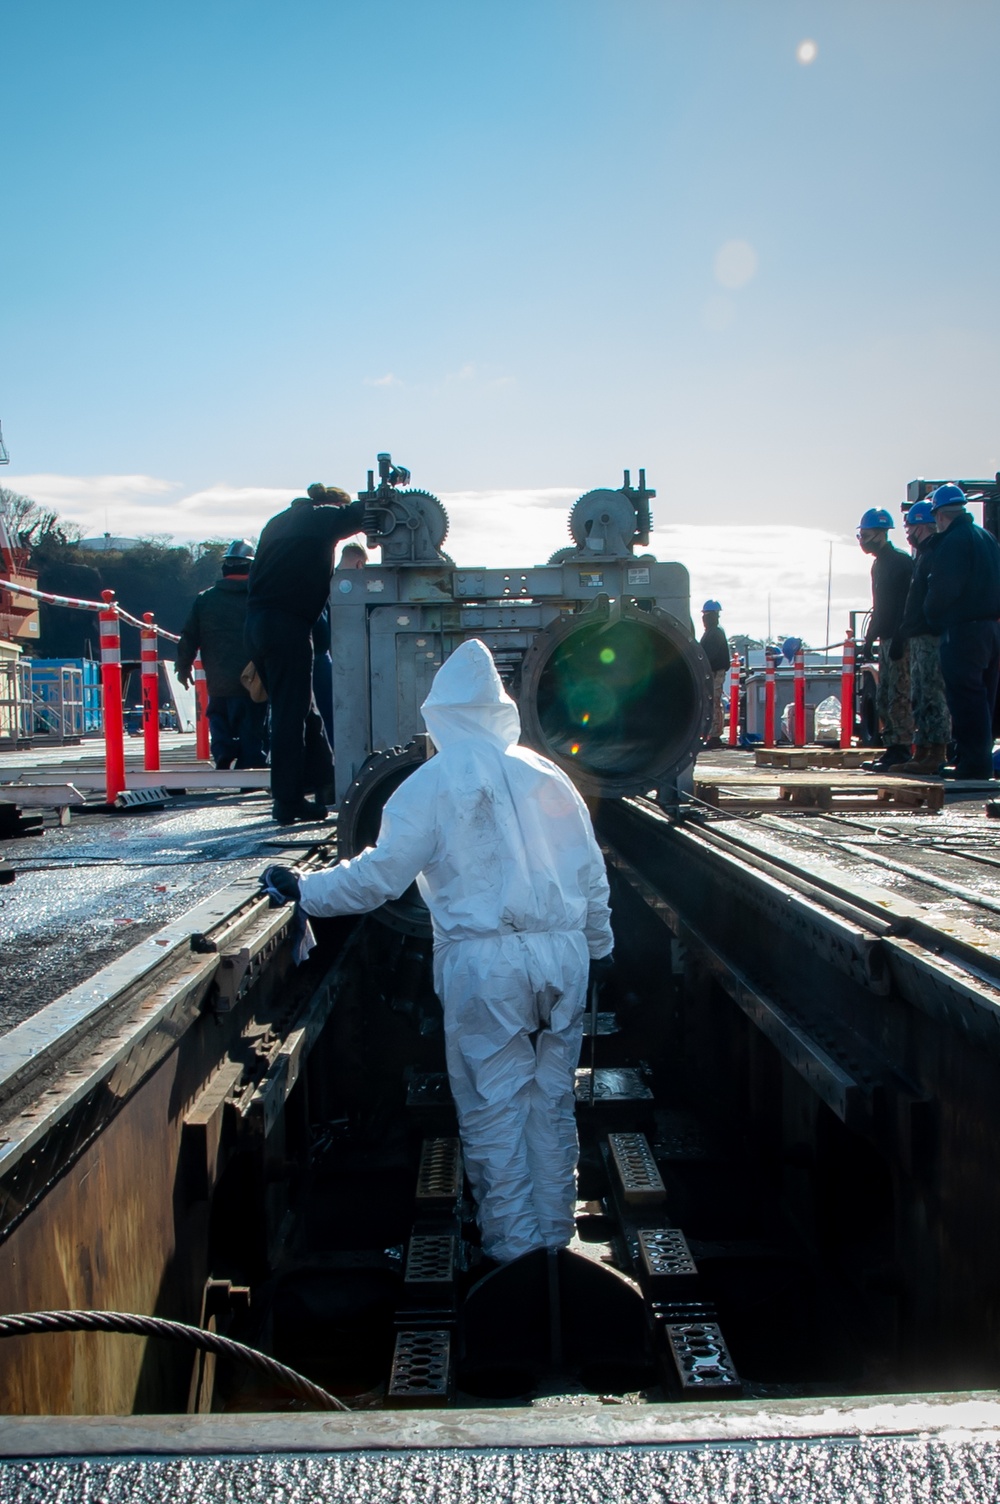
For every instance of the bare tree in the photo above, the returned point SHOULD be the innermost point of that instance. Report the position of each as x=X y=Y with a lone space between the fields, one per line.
x=33 y=524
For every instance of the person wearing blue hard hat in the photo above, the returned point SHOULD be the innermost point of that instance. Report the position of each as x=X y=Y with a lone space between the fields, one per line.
x=962 y=603
x=715 y=645
x=891 y=574
x=931 y=717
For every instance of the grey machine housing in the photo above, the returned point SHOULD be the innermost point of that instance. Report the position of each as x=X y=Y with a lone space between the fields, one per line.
x=550 y=628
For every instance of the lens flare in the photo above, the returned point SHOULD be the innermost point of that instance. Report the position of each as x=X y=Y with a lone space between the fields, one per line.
x=807 y=52
x=574 y=749
x=585 y=718
x=607 y=655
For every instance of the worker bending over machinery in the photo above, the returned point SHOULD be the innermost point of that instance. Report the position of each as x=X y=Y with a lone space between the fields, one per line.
x=503 y=852
x=215 y=626
x=963 y=603
x=891 y=573
x=289 y=587
x=931 y=720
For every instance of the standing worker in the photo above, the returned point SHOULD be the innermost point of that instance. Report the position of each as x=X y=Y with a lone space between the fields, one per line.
x=715 y=645
x=215 y=628
x=963 y=603
x=932 y=723
x=891 y=574
x=503 y=852
x=289 y=587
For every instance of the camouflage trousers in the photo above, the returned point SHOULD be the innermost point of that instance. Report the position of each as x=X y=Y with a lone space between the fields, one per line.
x=930 y=707
x=893 y=703
x=718 y=715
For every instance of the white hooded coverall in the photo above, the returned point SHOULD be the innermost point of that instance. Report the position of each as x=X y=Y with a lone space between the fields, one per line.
x=504 y=855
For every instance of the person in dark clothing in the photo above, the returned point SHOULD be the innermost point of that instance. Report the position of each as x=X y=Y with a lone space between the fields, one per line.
x=962 y=602
x=931 y=717
x=891 y=574
x=715 y=645
x=215 y=628
x=289 y=587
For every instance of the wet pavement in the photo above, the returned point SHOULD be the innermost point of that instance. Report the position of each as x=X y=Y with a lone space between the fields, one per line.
x=86 y=893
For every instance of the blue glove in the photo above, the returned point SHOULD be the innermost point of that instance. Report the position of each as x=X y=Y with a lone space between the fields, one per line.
x=281 y=884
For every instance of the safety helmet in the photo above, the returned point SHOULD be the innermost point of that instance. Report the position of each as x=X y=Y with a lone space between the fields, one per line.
x=712 y=606
x=241 y=549
x=875 y=517
x=790 y=647
x=948 y=495
x=921 y=514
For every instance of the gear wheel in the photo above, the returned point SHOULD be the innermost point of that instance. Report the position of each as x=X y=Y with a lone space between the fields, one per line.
x=562 y=554
x=432 y=511
x=609 y=515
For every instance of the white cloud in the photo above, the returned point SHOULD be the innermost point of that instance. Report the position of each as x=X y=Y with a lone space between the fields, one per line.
x=739 y=565
x=387 y=380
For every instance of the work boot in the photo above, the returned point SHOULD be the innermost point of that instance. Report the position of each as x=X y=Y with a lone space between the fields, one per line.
x=927 y=761
x=891 y=758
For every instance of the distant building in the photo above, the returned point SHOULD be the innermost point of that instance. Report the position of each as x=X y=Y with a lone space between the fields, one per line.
x=107 y=543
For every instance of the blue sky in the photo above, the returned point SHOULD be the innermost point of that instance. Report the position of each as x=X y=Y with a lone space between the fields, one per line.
x=521 y=245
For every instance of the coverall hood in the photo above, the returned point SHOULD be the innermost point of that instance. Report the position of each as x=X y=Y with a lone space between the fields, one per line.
x=467 y=699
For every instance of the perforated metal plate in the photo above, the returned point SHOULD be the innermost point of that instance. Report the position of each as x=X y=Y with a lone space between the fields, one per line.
x=702 y=1359
x=430 y=1259
x=439 y=1179
x=666 y=1255
x=635 y=1167
x=420 y=1367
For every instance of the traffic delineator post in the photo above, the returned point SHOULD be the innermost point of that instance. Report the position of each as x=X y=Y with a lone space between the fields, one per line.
x=201 y=739
x=769 y=701
x=799 y=738
x=111 y=685
x=734 y=701
x=150 y=695
x=847 y=691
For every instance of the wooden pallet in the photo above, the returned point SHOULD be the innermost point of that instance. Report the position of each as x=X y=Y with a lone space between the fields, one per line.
x=812 y=757
x=743 y=795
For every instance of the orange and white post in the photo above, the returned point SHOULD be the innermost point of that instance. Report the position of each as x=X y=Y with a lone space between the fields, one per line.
x=201 y=743
x=734 y=701
x=150 y=695
x=769 y=701
x=111 y=685
x=847 y=692
x=799 y=678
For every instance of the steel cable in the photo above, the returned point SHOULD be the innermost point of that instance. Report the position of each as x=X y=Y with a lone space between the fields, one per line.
x=28 y=1323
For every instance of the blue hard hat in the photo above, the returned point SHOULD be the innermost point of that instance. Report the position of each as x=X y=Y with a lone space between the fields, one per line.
x=876 y=517
x=712 y=606
x=790 y=647
x=948 y=495
x=921 y=514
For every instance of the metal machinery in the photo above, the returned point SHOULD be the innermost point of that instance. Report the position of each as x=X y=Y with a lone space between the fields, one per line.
x=596 y=645
x=986 y=491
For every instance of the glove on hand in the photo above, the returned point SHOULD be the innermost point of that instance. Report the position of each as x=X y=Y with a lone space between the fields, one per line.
x=897 y=647
x=283 y=881
x=185 y=679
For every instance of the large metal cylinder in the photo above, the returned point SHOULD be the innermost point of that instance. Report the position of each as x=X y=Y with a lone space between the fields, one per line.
x=360 y=816
x=618 y=695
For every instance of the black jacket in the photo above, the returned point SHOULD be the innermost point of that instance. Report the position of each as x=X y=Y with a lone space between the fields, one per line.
x=915 y=623
x=294 y=560
x=891 y=575
x=716 y=646
x=215 y=626
x=964 y=581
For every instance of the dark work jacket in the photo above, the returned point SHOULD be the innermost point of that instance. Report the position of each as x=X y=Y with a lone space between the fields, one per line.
x=891 y=575
x=964 y=581
x=915 y=623
x=716 y=647
x=215 y=627
x=294 y=562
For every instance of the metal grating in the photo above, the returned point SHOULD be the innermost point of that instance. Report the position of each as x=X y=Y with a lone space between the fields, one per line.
x=636 y=1169
x=702 y=1359
x=665 y=1253
x=439 y=1179
x=420 y=1367
x=430 y=1260
x=612 y=1084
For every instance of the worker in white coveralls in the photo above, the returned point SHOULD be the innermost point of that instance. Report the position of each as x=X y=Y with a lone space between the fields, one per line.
x=504 y=855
